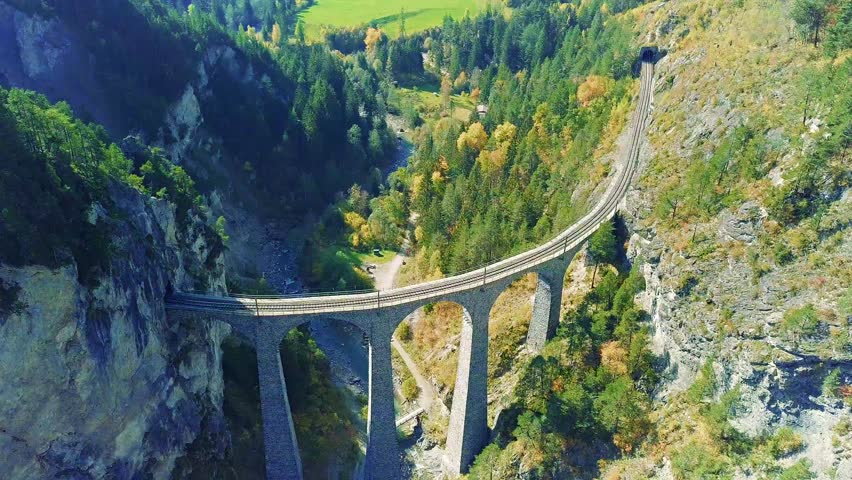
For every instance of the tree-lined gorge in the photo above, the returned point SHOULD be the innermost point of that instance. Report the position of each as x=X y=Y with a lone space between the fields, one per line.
x=297 y=123
x=557 y=83
x=514 y=118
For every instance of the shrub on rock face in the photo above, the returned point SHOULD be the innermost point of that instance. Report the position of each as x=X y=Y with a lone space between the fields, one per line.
x=782 y=253
x=800 y=470
x=403 y=332
x=831 y=383
x=784 y=442
x=799 y=323
x=845 y=303
x=695 y=461
x=410 y=390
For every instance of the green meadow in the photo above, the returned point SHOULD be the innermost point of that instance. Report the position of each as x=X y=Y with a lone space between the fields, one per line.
x=419 y=14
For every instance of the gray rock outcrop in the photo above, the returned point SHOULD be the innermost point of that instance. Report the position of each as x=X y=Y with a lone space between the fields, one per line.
x=95 y=382
x=41 y=54
x=716 y=296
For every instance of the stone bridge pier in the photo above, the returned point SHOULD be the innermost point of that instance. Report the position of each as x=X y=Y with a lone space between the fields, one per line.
x=281 y=445
x=468 y=431
x=265 y=322
x=382 y=449
x=548 y=300
x=279 y=439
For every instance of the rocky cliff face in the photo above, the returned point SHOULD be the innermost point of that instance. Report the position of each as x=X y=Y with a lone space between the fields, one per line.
x=43 y=54
x=187 y=143
x=709 y=310
x=96 y=382
x=715 y=295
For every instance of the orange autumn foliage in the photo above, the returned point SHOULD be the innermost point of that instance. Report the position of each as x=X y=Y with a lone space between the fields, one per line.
x=594 y=87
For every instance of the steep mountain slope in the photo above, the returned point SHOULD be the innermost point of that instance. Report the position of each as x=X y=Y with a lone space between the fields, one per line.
x=737 y=233
x=94 y=381
x=739 y=227
x=267 y=129
x=272 y=128
x=742 y=217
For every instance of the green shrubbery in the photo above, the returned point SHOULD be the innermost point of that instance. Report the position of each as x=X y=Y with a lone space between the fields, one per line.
x=590 y=384
x=801 y=470
x=697 y=462
x=783 y=443
x=799 y=323
x=257 y=286
x=410 y=390
x=831 y=383
x=56 y=169
x=845 y=303
x=403 y=332
x=331 y=270
x=782 y=253
x=323 y=424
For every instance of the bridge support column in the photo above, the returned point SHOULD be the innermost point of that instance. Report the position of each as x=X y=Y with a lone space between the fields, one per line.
x=468 y=431
x=382 y=461
x=282 y=451
x=548 y=301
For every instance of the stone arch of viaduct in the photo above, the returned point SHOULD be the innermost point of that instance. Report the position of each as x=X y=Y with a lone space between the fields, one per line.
x=468 y=432
x=266 y=321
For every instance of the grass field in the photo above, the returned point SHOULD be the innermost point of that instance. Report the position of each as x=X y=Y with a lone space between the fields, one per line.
x=356 y=259
x=462 y=106
x=423 y=92
x=419 y=14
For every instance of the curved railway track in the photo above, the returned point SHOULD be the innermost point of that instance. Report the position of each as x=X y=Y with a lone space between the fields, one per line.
x=524 y=262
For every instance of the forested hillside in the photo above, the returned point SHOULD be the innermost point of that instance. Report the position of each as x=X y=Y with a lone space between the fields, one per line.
x=705 y=331
x=739 y=226
x=57 y=175
x=743 y=217
x=557 y=82
x=730 y=177
x=249 y=116
x=236 y=14
x=491 y=186
x=292 y=122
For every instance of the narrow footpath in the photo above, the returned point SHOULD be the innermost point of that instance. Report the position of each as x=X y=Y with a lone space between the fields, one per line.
x=385 y=276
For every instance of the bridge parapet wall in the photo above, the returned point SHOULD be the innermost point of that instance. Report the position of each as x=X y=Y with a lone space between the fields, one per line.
x=266 y=321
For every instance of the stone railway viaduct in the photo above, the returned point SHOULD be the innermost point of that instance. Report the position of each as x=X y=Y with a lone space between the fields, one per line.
x=266 y=320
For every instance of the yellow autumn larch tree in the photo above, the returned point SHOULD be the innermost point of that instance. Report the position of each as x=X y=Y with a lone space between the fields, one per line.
x=594 y=87
x=374 y=36
x=275 y=36
x=446 y=91
x=474 y=137
x=494 y=160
